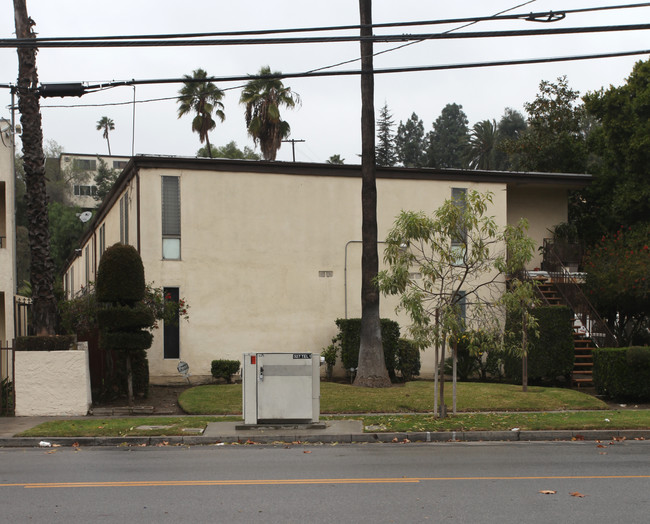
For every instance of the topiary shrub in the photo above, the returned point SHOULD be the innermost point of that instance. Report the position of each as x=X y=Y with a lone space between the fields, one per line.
x=122 y=316
x=622 y=373
x=552 y=354
x=225 y=369
x=120 y=276
x=408 y=359
x=350 y=340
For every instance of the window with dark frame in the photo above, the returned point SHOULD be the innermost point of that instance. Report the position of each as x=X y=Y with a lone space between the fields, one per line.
x=171 y=330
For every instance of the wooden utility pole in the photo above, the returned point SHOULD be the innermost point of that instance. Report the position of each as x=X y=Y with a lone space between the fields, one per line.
x=371 y=371
x=41 y=265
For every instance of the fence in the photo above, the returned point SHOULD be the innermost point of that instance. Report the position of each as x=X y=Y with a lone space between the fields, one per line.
x=7 y=390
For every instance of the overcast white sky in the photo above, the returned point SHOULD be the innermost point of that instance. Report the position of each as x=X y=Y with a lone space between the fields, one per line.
x=329 y=117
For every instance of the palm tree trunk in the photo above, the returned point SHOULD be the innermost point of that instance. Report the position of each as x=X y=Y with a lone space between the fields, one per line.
x=371 y=371
x=108 y=142
x=41 y=265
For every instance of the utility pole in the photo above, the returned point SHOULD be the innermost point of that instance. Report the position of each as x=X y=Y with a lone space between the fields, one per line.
x=371 y=371
x=41 y=265
x=293 y=146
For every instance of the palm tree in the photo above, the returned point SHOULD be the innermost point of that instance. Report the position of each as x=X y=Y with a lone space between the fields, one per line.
x=203 y=98
x=263 y=98
x=107 y=125
x=482 y=145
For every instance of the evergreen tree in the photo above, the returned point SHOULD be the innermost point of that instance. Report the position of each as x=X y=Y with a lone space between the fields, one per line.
x=385 y=154
x=447 y=143
x=409 y=142
x=510 y=127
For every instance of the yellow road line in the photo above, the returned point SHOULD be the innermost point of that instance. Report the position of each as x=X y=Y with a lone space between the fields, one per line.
x=280 y=482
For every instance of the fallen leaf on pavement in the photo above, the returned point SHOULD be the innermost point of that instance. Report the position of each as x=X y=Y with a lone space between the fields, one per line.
x=547 y=491
x=306 y=451
x=576 y=494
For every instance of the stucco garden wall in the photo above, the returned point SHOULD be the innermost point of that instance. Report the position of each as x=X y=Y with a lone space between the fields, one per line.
x=52 y=383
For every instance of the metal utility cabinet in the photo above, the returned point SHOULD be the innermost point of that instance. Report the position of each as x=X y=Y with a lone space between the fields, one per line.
x=281 y=387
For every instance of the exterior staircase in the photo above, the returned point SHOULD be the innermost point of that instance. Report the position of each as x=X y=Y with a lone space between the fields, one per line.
x=583 y=345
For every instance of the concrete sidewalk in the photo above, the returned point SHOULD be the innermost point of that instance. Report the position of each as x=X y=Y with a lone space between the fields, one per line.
x=330 y=431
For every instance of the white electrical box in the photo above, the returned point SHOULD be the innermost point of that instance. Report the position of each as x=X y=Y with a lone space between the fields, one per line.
x=281 y=387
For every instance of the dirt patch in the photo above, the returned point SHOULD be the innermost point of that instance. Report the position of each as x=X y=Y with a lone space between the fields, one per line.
x=163 y=399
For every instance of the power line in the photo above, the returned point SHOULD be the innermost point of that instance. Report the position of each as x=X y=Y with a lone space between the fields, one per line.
x=543 y=16
x=410 y=69
x=25 y=43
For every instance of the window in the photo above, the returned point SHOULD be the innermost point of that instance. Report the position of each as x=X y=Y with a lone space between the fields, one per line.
x=102 y=239
x=119 y=164
x=462 y=306
x=124 y=219
x=85 y=190
x=72 y=282
x=84 y=164
x=171 y=331
x=459 y=240
x=171 y=218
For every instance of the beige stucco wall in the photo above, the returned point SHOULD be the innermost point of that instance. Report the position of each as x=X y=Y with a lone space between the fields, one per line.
x=52 y=383
x=543 y=207
x=253 y=250
x=7 y=230
x=269 y=261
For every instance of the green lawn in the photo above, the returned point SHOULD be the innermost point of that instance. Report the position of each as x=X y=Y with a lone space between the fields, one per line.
x=405 y=408
x=412 y=397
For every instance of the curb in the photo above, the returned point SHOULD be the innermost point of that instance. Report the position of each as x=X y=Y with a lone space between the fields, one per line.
x=402 y=438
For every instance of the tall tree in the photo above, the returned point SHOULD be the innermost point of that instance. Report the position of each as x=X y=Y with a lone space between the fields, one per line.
x=371 y=371
x=104 y=180
x=385 y=154
x=554 y=140
x=203 y=98
x=41 y=265
x=510 y=127
x=447 y=143
x=106 y=124
x=619 y=147
x=263 y=97
x=410 y=143
x=482 y=143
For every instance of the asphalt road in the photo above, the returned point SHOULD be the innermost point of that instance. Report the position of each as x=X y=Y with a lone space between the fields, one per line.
x=451 y=482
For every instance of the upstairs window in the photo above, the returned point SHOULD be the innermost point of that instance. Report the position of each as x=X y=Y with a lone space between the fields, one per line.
x=459 y=239
x=83 y=164
x=124 y=219
x=171 y=218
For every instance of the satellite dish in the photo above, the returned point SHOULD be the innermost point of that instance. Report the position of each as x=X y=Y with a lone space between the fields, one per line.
x=85 y=216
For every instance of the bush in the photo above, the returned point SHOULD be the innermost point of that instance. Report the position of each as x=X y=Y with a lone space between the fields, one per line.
x=119 y=318
x=120 y=275
x=622 y=373
x=408 y=359
x=552 y=354
x=350 y=339
x=46 y=343
x=225 y=369
x=6 y=397
x=329 y=354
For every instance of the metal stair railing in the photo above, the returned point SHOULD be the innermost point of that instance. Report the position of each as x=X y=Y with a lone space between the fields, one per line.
x=567 y=285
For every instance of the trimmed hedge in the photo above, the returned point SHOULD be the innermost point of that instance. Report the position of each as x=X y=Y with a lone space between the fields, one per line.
x=550 y=356
x=408 y=359
x=224 y=369
x=125 y=318
x=46 y=343
x=350 y=339
x=120 y=275
x=622 y=373
x=125 y=341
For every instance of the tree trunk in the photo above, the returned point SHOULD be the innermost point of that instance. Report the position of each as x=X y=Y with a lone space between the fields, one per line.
x=371 y=371
x=108 y=143
x=454 y=376
x=41 y=265
x=524 y=354
x=441 y=367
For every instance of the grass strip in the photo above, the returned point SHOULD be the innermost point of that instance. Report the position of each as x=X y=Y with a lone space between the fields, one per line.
x=580 y=420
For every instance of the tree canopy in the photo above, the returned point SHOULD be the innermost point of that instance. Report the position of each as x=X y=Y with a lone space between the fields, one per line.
x=410 y=144
x=385 y=154
x=230 y=150
x=447 y=143
x=263 y=98
x=203 y=98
